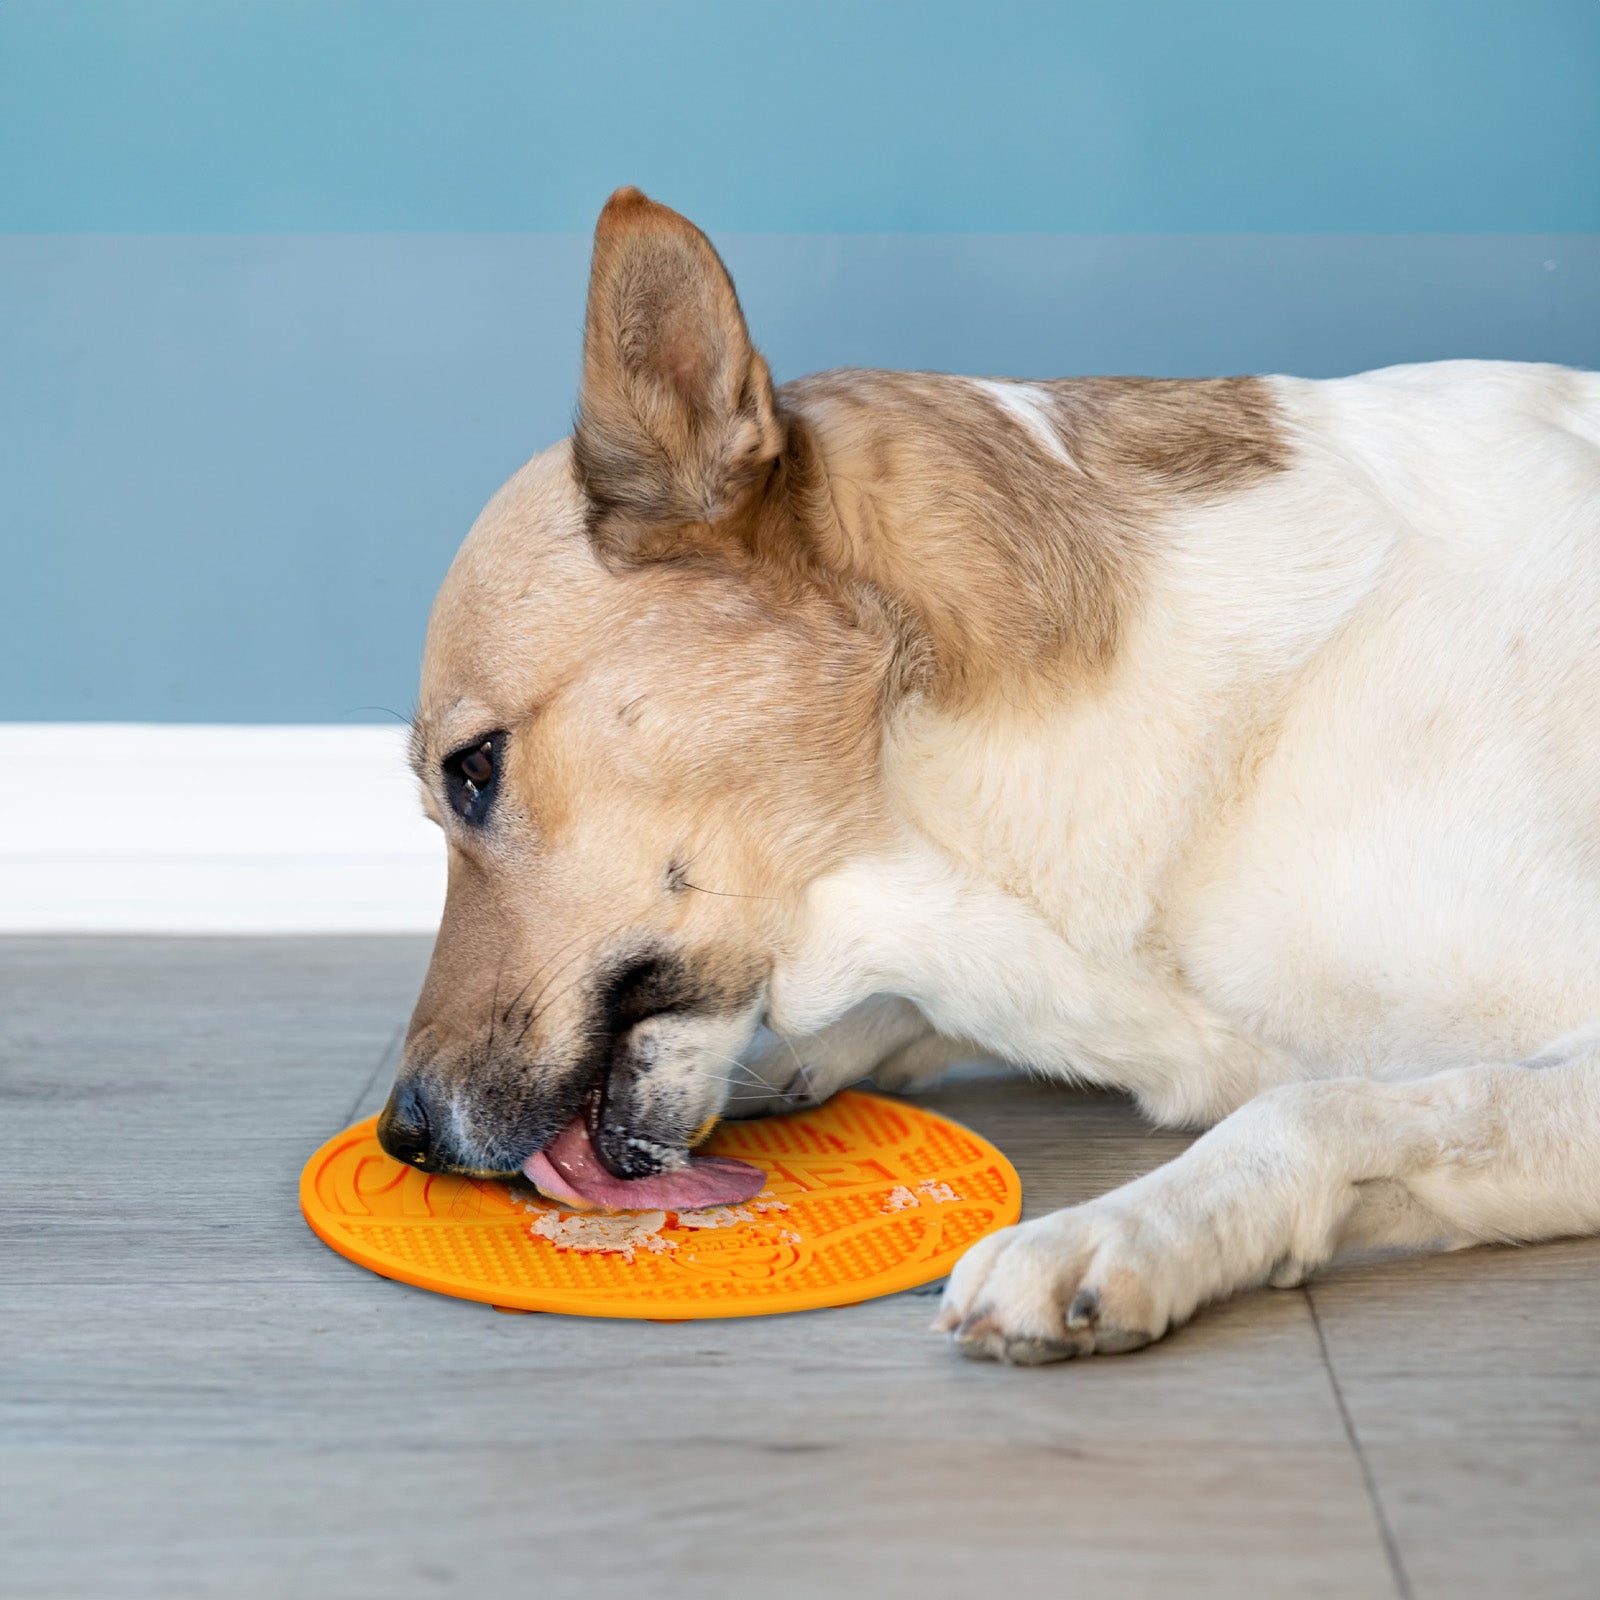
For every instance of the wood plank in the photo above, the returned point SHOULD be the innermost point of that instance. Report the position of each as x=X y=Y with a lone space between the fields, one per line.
x=1473 y=1384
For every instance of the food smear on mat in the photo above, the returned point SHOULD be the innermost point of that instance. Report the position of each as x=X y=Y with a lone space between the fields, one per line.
x=569 y=1170
x=628 y=1232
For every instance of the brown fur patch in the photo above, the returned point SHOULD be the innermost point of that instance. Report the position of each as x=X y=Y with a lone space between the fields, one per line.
x=1005 y=557
x=1196 y=436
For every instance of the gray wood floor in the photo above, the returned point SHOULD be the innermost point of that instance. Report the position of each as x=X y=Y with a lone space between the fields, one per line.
x=198 y=1398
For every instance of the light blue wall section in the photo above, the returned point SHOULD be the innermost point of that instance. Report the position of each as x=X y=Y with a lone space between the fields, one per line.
x=235 y=468
x=243 y=427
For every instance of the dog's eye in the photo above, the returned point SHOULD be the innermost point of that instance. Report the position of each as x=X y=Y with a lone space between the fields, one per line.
x=469 y=777
x=477 y=766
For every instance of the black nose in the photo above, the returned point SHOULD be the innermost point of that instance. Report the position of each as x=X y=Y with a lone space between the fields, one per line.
x=403 y=1128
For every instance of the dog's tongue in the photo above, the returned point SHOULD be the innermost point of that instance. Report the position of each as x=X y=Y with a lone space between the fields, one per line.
x=568 y=1170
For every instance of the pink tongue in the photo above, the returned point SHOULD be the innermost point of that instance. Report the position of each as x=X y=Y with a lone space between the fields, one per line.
x=568 y=1169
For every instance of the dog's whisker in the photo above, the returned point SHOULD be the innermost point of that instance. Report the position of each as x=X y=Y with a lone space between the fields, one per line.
x=803 y=1071
x=727 y=894
x=494 y=1002
x=539 y=1000
x=511 y=1005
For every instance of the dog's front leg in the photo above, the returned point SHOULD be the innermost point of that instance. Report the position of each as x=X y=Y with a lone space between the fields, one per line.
x=1478 y=1153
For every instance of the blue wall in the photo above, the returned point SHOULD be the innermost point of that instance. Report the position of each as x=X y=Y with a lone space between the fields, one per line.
x=287 y=288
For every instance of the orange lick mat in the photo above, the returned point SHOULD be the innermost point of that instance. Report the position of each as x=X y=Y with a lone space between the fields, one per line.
x=865 y=1196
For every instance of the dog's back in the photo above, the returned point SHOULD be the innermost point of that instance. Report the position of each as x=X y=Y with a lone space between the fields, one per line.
x=1415 y=875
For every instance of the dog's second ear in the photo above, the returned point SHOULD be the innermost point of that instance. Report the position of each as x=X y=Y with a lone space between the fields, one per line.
x=677 y=420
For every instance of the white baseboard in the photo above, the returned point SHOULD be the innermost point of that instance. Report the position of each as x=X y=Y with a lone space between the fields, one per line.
x=165 y=828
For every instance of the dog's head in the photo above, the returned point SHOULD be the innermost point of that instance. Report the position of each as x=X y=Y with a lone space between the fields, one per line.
x=647 y=723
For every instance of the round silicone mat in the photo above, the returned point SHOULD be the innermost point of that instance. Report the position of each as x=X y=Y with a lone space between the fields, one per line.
x=865 y=1196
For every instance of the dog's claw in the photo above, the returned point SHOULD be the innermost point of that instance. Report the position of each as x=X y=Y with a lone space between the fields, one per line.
x=1084 y=1309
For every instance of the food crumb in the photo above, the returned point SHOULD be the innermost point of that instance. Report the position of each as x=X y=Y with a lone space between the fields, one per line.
x=715 y=1217
x=940 y=1192
x=900 y=1199
x=605 y=1235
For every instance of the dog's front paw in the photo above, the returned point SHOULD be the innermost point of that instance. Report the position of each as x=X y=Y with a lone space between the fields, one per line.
x=1076 y=1283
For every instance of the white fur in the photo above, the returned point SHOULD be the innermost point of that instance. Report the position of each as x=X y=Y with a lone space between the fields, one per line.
x=1323 y=853
x=1030 y=405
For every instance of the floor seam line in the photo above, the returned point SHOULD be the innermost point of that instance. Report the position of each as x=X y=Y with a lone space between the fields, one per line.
x=1391 y=1546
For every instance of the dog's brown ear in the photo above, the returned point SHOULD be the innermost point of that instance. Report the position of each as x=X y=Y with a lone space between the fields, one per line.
x=677 y=420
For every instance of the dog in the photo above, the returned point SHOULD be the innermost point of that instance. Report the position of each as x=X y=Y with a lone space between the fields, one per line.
x=1233 y=743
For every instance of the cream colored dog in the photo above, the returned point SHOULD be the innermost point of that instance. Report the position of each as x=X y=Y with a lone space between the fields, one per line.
x=1235 y=743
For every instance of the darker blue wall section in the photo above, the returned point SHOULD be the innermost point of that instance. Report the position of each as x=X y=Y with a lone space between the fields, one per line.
x=287 y=289
x=803 y=115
